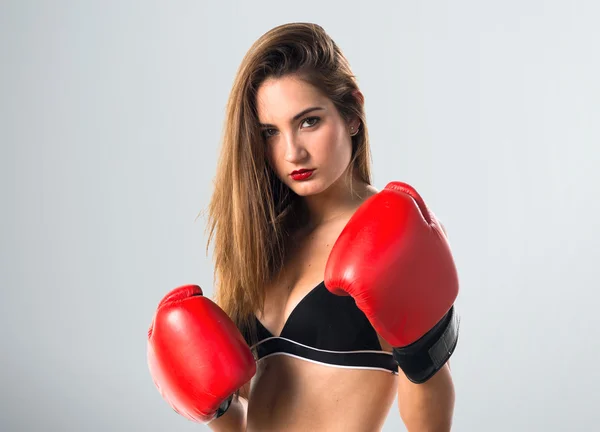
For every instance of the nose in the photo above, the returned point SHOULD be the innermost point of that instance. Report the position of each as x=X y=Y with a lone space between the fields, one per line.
x=295 y=151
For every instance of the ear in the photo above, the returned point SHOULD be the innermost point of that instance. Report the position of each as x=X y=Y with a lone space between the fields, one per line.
x=354 y=122
x=359 y=96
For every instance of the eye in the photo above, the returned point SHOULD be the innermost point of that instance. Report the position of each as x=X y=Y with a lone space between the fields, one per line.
x=266 y=133
x=314 y=121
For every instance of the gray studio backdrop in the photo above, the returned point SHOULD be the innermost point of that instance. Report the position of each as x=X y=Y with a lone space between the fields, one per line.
x=110 y=116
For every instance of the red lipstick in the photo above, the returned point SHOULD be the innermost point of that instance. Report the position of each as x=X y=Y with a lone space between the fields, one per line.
x=301 y=174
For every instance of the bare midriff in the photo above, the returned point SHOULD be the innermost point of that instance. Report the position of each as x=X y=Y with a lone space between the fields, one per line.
x=291 y=394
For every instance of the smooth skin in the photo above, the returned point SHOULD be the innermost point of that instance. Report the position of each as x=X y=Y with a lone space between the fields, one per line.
x=289 y=393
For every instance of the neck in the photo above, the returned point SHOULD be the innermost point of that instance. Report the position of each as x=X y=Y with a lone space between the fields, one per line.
x=340 y=199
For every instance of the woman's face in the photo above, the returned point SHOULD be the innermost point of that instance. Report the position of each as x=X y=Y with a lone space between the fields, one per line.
x=308 y=143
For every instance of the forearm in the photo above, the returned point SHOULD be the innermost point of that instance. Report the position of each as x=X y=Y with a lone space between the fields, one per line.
x=234 y=419
x=427 y=407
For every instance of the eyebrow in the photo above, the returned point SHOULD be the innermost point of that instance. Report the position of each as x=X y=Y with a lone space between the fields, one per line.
x=296 y=117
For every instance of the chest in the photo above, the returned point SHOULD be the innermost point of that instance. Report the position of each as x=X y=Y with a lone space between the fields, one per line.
x=303 y=271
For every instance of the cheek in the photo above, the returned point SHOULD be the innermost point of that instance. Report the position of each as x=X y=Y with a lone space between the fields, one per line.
x=275 y=159
x=339 y=148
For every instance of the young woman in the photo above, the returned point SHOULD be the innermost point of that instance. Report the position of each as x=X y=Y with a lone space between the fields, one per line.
x=343 y=293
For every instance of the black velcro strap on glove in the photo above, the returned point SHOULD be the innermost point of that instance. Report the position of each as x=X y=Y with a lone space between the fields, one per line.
x=422 y=359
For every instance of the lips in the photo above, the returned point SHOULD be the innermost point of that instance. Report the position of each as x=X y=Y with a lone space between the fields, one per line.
x=300 y=171
x=301 y=174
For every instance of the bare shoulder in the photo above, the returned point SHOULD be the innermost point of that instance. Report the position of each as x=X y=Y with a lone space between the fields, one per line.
x=369 y=191
x=372 y=190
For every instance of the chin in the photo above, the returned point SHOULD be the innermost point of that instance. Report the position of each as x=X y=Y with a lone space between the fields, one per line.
x=309 y=188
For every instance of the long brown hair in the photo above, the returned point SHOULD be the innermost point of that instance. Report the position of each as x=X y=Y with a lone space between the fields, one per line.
x=252 y=213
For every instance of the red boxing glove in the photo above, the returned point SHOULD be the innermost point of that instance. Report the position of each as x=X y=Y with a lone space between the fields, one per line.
x=196 y=355
x=394 y=259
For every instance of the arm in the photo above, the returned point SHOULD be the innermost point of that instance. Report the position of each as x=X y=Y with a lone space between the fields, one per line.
x=394 y=259
x=428 y=406
x=235 y=419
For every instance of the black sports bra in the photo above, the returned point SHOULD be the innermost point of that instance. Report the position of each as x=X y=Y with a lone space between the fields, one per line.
x=327 y=329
